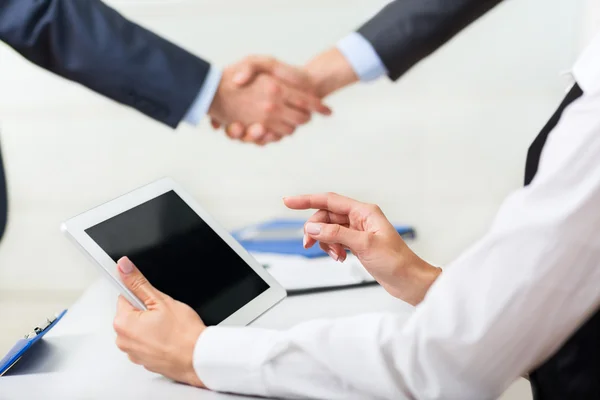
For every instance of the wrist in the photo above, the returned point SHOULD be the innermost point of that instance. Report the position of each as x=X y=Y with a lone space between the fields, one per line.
x=191 y=376
x=330 y=71
x=215 y=107
x=424 y=274
x=414 y=277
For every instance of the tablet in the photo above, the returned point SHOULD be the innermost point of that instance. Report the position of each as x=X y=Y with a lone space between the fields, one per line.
x=180 y=249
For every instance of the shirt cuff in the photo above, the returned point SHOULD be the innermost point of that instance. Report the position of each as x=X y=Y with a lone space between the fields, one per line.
x=228 y=359
x=362 y=56
x=201 y=105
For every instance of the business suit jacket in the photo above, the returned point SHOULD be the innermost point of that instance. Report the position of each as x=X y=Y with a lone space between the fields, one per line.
x=406 y=31
x=90 y=43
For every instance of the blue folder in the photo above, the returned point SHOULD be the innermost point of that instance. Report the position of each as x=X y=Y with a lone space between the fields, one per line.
x=23 y=345
x=284 y=236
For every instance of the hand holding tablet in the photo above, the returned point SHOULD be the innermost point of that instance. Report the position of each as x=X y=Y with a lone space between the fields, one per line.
x=163 y=337
x=180 y=249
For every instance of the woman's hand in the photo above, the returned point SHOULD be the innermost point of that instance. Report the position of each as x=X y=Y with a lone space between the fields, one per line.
x=344 y=223
x=162 y=339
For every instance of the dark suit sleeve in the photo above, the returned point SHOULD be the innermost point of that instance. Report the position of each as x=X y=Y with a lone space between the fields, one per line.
x=406 y=31
x=90 y=43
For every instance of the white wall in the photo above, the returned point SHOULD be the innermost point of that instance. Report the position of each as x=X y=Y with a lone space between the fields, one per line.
x=590 y=20
x=439 y=149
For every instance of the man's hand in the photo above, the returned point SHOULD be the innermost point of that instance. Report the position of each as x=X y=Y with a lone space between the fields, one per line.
x=323 y=75
x=363 y=228
x=329 y=72
x=162 y=339
x=276 y=100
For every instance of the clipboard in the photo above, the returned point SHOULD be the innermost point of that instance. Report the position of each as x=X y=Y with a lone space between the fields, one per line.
x=25 y=344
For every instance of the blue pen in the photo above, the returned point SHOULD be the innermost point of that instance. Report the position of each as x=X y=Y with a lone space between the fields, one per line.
x=284 y=236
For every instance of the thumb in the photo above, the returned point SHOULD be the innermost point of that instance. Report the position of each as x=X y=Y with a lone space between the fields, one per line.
x=334 y=233
x=246 y=70
x=135 y=281
x=244 y=75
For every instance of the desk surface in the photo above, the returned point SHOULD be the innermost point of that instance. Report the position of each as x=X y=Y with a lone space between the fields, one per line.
x=78 y=358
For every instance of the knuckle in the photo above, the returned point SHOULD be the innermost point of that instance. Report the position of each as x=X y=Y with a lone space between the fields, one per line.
x=373 y=209
x=334 y=231
x=270 y=106
x=150 y=368
x=121 y=344
x=138 y=283
x=133 y=360
x=366 y=241
x=119 y=325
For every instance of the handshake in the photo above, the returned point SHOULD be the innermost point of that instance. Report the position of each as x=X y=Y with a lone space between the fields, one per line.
x=261 y=100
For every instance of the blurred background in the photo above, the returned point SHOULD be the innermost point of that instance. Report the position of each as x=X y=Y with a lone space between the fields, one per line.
x=439 y=149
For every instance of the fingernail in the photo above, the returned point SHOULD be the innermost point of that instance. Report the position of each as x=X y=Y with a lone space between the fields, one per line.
x=304 y=240
x=333 y=255
x=125 y=265
x=313 y=229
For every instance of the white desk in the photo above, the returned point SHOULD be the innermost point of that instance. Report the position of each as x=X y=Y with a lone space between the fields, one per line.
x=79 y=360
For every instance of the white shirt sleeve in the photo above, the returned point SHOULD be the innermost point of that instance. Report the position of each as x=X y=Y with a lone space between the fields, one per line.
x=202 y=103
x=363 y=58
x=495 y=313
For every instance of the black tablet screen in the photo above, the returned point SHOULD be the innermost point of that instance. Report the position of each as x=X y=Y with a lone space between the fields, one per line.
x=181 y=256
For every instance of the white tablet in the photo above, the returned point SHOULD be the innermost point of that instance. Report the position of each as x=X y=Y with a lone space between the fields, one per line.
x=180 y=249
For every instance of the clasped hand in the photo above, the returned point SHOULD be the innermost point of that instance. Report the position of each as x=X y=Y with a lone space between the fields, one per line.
x=262 y=100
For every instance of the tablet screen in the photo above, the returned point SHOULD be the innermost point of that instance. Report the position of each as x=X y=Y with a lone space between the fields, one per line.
x=181 y=256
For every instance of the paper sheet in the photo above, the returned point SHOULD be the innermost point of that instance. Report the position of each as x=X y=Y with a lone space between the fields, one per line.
x=297 y=272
